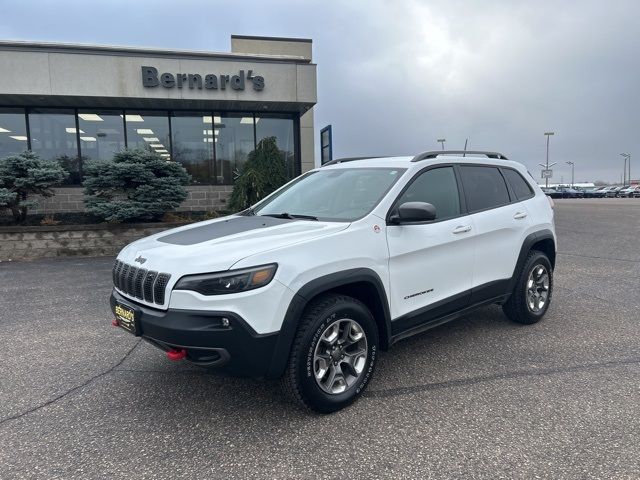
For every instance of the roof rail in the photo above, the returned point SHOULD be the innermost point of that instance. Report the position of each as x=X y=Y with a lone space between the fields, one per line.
x=346 y=159
x=436 y=153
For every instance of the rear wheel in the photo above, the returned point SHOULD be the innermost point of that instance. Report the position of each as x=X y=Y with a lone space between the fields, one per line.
x=531 y=295
x=333 y=355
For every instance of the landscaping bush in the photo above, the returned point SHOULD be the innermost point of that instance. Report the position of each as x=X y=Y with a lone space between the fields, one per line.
x=263 y=172
x=23 y=175
x=134 y=185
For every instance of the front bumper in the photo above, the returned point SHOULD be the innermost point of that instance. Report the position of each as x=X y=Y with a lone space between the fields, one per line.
x=203 y=334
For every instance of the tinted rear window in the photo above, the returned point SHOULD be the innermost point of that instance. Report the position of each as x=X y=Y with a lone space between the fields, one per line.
x=518 y=184
x=484 y=187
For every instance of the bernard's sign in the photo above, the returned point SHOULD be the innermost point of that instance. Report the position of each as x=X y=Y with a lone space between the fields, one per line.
x=151 y=78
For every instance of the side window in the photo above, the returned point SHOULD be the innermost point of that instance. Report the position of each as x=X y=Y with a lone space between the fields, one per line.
x=484 y=187
x=438 y=187
x=519 y=185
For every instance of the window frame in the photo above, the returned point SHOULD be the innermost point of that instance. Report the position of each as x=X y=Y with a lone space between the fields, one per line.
x=461 y=197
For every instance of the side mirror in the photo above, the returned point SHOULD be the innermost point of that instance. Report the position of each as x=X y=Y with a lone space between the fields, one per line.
x=412 y=212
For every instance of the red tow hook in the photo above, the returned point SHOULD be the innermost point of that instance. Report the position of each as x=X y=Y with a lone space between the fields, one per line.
x=176 y=355
x=115 y=323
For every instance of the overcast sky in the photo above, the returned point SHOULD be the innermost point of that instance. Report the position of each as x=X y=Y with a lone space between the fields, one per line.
x=395 y=76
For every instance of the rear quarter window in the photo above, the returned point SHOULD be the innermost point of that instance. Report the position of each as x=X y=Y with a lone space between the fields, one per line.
x=519 y=185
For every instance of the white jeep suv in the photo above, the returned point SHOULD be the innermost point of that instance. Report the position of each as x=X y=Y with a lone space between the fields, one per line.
x=309 y=284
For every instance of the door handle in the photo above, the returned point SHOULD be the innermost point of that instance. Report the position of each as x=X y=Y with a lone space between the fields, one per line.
x=462 y=229
x=520 y=215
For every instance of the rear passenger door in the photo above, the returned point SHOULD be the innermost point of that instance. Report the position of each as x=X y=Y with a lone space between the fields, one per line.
x=501 y=223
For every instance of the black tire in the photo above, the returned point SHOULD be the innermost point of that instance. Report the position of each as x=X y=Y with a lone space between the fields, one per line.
x=299 y=380
x=517 y=307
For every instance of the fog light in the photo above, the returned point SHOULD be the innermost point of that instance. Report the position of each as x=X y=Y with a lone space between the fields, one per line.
x=225 y=322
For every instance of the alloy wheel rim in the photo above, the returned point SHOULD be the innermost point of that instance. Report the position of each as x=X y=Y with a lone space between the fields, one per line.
x=340 y=356
x=538 y=288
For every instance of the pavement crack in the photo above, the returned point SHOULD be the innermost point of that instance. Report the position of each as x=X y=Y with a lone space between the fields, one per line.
x=395 y=392
x=599 y=258
x=164 y=372
x=590 y=295
x=71 y=390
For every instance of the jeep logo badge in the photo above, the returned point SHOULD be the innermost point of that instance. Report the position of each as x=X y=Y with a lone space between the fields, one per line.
x=140 y=259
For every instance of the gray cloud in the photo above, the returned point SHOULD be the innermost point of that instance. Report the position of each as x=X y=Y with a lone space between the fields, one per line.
x=395 y=76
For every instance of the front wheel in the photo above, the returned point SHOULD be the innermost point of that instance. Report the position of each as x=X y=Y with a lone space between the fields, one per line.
x=531 y=295
x=333 y=355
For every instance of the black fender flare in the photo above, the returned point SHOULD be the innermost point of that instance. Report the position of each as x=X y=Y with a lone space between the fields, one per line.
x=307 y=293
x=528 y=243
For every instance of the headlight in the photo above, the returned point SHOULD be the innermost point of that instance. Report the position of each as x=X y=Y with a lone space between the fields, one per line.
x=232 y=281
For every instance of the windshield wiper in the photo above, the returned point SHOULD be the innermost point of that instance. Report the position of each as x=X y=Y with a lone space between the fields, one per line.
x=290 y=216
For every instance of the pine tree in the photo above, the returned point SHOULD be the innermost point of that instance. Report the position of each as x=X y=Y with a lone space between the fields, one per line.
x=263 y=173
x=134 y=185
x=23 y=175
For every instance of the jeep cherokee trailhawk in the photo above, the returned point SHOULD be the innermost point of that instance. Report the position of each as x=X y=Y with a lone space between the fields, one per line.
x=311 y=282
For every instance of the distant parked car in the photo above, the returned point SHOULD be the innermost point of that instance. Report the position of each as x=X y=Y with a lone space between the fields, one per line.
x=616 y=191
x=552 y=192
x=630 y=192
x=566 y=192
x=597 y=192
x=610 y=192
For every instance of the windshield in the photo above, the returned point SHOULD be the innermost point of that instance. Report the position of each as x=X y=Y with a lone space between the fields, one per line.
x=344 y=194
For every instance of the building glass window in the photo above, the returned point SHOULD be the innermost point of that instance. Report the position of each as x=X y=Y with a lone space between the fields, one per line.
x=234 y=140
x=149 y=131
x=13 y=132
x=53 y=137
x=193 y=140
x=280 y=127
x=101 y=134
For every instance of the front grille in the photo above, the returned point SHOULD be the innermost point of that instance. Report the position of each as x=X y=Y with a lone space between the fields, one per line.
x=139 y=283
x=160 y=286
x=147 y=286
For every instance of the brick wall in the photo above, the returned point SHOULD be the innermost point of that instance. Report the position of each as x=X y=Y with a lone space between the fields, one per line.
x=201 y=198
x=20 y=243
x=206 y=197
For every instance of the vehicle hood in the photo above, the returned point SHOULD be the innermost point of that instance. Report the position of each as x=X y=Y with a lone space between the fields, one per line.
x=216 y=245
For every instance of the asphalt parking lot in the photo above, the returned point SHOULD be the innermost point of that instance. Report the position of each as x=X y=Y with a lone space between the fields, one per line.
x=476 y=398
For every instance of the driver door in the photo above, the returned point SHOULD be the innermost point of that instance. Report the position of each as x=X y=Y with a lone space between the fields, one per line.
x=431 y=264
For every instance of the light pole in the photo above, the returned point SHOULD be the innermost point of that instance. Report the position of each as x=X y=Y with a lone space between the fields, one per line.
x=626 y=157
x=572 y=166
x=442 y=140
x=548 y=134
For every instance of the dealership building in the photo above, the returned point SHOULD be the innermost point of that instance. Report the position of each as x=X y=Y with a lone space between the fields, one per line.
x=207 y=111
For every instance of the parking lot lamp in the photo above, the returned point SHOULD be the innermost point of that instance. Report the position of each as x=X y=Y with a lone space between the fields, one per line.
x=572 y=167
x=441 y=141
x=548 y=134
x=627 y=158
